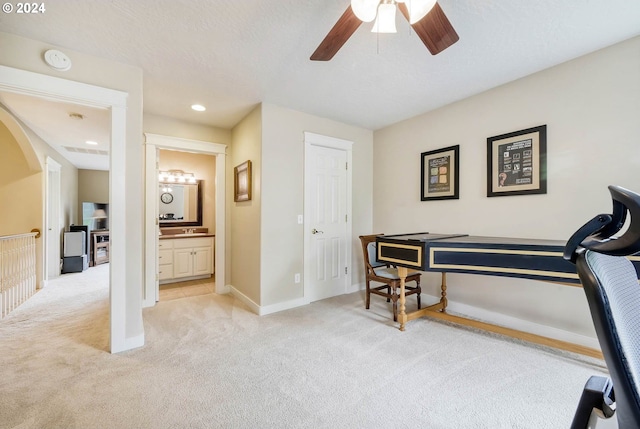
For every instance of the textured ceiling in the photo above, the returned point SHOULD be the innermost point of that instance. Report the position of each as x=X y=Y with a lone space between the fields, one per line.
x=233 y=54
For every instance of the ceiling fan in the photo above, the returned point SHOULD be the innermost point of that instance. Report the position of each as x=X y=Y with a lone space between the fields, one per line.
x=425 y=16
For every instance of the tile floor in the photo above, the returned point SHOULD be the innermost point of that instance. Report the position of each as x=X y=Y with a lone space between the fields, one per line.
x=189 y=288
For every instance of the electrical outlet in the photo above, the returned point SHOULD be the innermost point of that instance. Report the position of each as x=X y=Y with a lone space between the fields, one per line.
x=296 y=278
x=300 y=219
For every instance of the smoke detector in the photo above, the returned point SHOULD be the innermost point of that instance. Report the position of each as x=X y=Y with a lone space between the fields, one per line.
x=57 y=60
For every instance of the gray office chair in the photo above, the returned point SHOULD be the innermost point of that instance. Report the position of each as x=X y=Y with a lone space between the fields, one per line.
x=610 y=283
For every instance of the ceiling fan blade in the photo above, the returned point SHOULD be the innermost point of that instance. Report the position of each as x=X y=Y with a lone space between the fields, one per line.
x=339 y=34
x=435 y=30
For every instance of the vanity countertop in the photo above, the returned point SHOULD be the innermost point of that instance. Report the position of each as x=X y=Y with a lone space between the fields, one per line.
x=184 y=232
x=194 y=235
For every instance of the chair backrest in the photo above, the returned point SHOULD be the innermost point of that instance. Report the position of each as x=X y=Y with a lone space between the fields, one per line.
x=610 y=283
x=611 y=286
x=369 y=252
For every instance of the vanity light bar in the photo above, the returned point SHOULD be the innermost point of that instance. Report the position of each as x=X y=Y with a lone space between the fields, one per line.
x=176 y=176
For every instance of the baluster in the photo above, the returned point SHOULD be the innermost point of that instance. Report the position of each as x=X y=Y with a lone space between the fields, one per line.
x=17 y=271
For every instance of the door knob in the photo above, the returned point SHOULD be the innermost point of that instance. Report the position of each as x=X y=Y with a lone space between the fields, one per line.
x=315 y=231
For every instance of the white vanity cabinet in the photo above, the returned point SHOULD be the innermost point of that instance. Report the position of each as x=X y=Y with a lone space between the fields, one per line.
x=165 y=259
x=185 y=258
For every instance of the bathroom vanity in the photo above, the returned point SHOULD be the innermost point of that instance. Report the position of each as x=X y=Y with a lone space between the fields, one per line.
x=185 y=256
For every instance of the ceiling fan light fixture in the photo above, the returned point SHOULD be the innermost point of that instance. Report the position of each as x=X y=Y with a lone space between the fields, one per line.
x=365 y=10
x=386 y=19
x=427 y=19
x=418 y=9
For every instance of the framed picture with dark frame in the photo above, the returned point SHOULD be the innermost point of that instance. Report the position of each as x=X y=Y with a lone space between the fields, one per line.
x=517 y=163
x=242 y=182
x=440 y=173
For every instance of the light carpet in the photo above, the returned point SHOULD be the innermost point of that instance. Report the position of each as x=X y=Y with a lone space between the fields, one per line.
x=209 y=362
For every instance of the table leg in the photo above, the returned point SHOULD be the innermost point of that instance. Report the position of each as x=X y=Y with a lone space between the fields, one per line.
x=443 y=292
x=402 y=317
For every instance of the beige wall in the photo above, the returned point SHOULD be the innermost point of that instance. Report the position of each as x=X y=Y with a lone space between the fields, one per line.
x=204 y=169
x=282 y=238
x=267 y=243
x=93 y=187
x=22 y=188
x=68 y=176
x=244 y=216
x=591 y=106
x=26 y=54
x=164 y=126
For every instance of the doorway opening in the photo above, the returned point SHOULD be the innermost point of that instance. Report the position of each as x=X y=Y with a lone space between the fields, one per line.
x=187 y=188
x=153 y=144
x=62 y=90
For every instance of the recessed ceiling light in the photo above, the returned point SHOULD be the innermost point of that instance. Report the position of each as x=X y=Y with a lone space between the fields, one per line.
x=198 y=107
x=91 y=142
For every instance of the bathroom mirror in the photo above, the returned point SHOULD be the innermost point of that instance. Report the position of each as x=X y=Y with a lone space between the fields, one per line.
x=180 y=204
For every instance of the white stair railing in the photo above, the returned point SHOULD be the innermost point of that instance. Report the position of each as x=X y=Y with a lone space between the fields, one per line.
x=17 y=270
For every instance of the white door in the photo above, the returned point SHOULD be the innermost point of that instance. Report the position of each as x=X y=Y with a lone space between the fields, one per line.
x=326 y=267
x=52 y=221
x=153 y=272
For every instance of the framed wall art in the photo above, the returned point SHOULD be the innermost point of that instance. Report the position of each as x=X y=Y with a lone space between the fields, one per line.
x=517 y=163
x=440 y=174
x=242 y=182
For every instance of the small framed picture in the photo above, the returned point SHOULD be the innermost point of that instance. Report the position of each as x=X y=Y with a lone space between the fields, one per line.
x=517 y=163
x=440 y=174
x=242 y=182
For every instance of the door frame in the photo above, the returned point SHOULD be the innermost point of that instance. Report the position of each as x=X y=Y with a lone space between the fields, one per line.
x=68 y=91
x=312 y=139
x=51 y=195
x=154 y=142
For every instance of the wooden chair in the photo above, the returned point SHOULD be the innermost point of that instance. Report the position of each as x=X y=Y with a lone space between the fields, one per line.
x=383 y=273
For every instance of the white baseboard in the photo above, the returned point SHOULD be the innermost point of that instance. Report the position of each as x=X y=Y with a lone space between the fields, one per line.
x=129 y=344
x=455 y=307
x=520 y=324
x=244 y=298
x=356 y=287
x=281 y=306
x=500 y=319
x=267 y=309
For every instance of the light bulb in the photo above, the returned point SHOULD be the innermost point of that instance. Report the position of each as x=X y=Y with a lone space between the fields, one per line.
x=365 y=10
x=386 y=19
